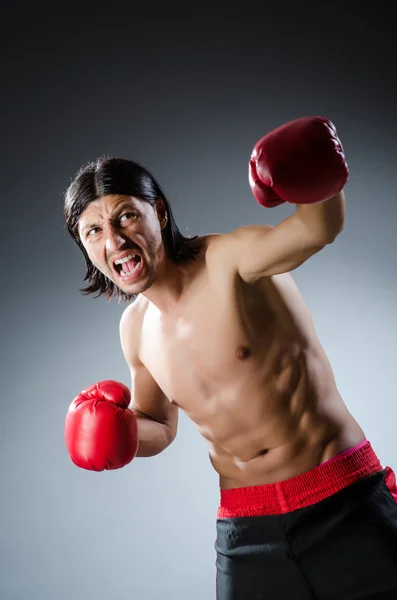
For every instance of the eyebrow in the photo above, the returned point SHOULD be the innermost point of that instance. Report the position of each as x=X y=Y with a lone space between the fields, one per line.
x=123 y=204
x=88 y=226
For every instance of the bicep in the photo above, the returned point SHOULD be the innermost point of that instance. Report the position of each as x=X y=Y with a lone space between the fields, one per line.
x=148 y=399
x=262 y=250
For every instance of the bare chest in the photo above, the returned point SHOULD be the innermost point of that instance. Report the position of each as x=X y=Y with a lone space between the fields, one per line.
x=208 y=349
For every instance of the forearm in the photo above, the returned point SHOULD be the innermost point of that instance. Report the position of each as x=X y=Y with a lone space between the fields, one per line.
x=324 y=220
x=154 y=437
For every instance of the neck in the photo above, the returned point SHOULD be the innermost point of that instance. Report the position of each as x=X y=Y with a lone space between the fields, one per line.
x=168 y=287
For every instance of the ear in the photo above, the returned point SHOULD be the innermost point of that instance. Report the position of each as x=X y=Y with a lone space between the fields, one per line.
x=161 y=212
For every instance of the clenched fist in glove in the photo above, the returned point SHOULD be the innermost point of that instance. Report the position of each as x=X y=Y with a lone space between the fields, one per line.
x=301 y=162
x=100 y=430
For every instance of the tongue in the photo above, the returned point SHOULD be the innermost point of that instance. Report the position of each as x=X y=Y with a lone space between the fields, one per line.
x=128 y=266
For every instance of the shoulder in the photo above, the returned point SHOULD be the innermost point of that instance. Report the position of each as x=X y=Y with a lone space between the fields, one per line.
x=207 y=244
x=134 y=311
x=131 y=323
x=221 y=245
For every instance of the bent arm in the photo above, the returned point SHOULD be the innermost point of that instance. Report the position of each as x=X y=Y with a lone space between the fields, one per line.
x=157 y=418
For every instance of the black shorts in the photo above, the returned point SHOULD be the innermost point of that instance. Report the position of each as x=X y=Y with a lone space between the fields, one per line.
x=329 y=534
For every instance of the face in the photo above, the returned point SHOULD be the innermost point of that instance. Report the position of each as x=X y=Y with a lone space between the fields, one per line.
x=122 y=237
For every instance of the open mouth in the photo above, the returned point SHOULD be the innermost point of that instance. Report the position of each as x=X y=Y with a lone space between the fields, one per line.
x=128 y=265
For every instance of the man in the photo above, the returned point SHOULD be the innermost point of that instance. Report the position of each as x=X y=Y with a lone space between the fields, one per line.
x=218 y=329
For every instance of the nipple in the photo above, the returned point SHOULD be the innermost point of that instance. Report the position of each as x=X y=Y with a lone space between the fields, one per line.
x=242 y=352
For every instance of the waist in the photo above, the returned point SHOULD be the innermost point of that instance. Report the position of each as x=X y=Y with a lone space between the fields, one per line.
x=304 y=489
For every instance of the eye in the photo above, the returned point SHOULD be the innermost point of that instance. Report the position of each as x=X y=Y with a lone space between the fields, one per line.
x=128 y=215
x=92 y=231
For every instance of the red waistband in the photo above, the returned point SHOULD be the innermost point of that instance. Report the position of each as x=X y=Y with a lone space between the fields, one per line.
x=305 y=489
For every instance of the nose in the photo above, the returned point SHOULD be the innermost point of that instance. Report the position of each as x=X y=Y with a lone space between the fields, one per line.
x=114 y=240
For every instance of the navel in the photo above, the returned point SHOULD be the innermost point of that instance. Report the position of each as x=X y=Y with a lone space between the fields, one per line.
x=243 y=352
x=263 y=452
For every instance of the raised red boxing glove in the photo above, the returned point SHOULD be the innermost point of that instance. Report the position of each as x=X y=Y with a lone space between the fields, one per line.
x=301 y=162
x=101 y=432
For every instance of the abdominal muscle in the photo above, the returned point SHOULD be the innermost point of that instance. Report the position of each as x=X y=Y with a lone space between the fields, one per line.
x=279 y=416
x=254 y=379
x=275 y=430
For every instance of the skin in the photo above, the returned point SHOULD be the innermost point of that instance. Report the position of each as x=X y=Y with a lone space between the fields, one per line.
x=228 y=339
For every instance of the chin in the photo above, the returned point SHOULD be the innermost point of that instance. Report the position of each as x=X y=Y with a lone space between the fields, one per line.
x=146 y=285
x=135 y=290
x=140 y=286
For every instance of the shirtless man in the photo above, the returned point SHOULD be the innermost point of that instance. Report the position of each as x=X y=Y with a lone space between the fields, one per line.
x=218 y=328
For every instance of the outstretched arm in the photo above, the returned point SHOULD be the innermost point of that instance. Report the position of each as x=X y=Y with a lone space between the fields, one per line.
x=301 y=162
x=262 y=250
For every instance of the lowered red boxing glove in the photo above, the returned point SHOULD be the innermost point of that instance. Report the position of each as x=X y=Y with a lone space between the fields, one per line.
x=301 y=162
x=100 y=430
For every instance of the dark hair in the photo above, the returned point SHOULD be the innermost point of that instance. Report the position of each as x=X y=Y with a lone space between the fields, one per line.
x=111 y=175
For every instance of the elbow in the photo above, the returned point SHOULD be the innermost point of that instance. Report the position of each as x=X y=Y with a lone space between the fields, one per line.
x=329 y=235
x=332 y=235
x=170 y=436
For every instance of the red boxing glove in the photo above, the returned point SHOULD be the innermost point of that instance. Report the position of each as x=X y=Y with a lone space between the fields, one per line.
x=101 y=432
x=301 y=162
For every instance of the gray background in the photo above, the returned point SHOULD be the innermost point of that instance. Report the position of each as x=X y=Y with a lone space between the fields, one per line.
x=187 y=94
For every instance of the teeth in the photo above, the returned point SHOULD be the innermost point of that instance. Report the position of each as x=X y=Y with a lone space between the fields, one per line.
x=137 y=266
x=125 y=259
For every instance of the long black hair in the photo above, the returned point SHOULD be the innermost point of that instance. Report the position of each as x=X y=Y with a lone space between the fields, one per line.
x=112 y=175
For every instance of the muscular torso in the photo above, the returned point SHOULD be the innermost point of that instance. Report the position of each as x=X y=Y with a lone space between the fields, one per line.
x=245 y=364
